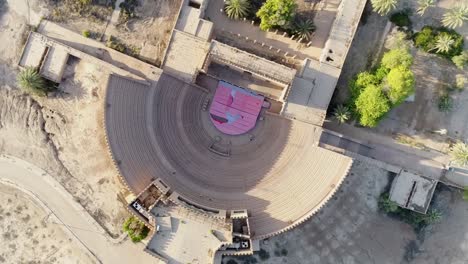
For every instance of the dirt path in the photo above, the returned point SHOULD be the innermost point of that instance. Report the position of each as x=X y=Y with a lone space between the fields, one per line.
x=70 y=214
x=29 y=233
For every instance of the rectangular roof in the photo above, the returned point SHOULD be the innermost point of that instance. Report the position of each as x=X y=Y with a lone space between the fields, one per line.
x=412 y=191
x=249 y=62
x=185 y=55
x=311 y=93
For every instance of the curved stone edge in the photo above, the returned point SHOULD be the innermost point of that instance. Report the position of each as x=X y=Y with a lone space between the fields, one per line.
x=312 y=212
x=106 y=139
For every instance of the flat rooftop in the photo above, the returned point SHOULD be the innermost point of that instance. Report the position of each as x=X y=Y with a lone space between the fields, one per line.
x=412 y=191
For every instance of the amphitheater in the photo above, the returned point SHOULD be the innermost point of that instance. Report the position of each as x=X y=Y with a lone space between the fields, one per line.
x=276 y=172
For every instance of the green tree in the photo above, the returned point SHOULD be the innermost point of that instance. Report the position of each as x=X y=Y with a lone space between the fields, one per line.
x=342 y=113
x=423 y=5
x=30 y=81
x=135 y=229
x=397 y=57
x=237 y=8
x=459 y=153
x=455 y=17
x=303 y=29
x=371 y=106
x=276 y=13
x=461 y=60
x=443 y=43
x=400 y=81
x=383 y=7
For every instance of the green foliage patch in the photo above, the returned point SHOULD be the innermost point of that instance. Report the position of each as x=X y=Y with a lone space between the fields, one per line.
x=401 y=19
x=277 y=13
x=427 y=38
x=417 y=220
x=374 y=93
x=135 y=229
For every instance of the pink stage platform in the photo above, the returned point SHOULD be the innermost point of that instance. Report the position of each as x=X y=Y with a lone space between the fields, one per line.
x=234 y=111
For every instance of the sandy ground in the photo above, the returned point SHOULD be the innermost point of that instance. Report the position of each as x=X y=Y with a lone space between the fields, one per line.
x=30 y=235
x=150 y=30
x=62 y=135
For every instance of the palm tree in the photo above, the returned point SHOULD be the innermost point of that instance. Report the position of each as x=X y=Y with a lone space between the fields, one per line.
x=423 y=5
x=455 y=17
x=30 y=81
x=303 y=29
x=342 y=114
x=459 y=153
x=237 y=8
x=383 y=7
x=444 y=43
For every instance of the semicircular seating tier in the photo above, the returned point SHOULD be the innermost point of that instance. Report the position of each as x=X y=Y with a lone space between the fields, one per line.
x=281 y=177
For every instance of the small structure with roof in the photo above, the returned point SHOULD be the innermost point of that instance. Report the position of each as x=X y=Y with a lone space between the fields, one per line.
x=413 y=192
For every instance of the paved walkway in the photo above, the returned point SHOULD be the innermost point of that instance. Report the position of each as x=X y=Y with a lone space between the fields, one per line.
x=74 y=218
x=429 y=163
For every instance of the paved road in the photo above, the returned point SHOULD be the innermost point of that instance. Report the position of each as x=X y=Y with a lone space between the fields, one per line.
x=70 y=213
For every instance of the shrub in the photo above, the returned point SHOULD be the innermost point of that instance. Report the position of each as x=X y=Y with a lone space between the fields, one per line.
x=401 y=19
x=127 y=10
x=428 y=37
x=401 y=84
x=276 y=13
x=465 y=194
x=231 y=261
x=113 y=43
x=387 y=205
x=445 y=103
x=236 y=9
x=461 y=61
x=303 y=29
x=342 y=114
x=397 y=57
x=459 y=153
x=86 y=33
x=371 y=106
x=31 y=82
x=425 y=39
x=135 y=229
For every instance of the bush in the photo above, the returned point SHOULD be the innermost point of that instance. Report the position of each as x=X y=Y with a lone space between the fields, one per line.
x=461 y=61
x=113 y=43
x=401 y=84
x=277 y=13
x=31 y=81
x=371 y=106
x=135 y=229
x=417 y=220
x=401 y=19
x=465 y=194
x=445 y=103
x=427 y=38
x=397 y=57
x=231 y=261
x=459 y=153
x=127 y=10
x=387 y=205
x=86 y=33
